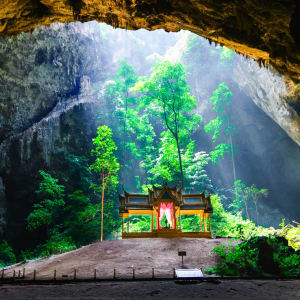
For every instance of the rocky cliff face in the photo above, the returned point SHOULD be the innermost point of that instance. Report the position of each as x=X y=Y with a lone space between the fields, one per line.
x=265 y=30
x=47 y=110
x=272 y=93
x=47 y=107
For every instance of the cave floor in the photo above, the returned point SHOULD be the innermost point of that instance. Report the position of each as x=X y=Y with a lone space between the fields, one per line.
x=171 y=289
x=123 y=255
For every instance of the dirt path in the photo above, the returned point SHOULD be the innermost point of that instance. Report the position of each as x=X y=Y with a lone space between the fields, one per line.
x=223 y=289
x=124 y=255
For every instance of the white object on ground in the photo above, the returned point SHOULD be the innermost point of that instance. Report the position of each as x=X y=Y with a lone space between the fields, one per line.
x=188 y=273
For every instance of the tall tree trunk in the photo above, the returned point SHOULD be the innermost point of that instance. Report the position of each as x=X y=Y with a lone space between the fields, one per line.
x=232 y=156
x=180 y=162
x=103 y=187
x=246 y=209
x=256 y=210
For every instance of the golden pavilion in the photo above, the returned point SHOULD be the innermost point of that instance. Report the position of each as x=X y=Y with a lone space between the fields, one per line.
x=171 y=203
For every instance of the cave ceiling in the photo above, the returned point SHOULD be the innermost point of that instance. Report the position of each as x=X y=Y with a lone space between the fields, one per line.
x=266 y=30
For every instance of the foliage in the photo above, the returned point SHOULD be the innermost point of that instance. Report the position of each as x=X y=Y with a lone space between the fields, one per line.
x=236 y=261
x=220 y=126
x=246 y=198
x=81 y=222
x=105 y=163
x=165 y=94
x=196 y=176
x=140 y=223
x=69 y=220
x=209 y=271
x=58 y=243
x=26 y=254
x=48 y=209
x=225 y=223
x=7 y=256
x=243 y=259
x=291 y=233
x=79 y=175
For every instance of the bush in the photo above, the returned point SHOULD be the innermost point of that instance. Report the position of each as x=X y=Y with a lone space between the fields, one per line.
x=208 y=271
x=7 y=256
x=58 y=243
x=26 y=255
x=257 y=256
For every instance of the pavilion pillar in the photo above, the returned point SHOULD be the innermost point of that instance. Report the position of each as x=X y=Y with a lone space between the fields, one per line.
x=209 y=222
x=122 y=224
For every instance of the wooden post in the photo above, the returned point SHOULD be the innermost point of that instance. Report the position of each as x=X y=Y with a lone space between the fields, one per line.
x=209 y=223
x=114 y=273
x=122 y=225
x=102 y=214
x=95 y=274
x=2 y=273
x=14 y=274
x=75 y=274
x=152 y=273
x=23 y=273
x=133 y=273
x=19 y=274
x=54 y=275
x=34 y=274
x=174 y=273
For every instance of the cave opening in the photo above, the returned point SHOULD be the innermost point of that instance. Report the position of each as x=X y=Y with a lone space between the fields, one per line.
x=60 y=83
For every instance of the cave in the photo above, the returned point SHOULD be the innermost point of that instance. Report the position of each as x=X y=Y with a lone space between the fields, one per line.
x=68 y=68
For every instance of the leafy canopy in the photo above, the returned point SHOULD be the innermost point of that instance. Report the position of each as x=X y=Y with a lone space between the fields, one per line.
x=105 y=161
x=48 y=209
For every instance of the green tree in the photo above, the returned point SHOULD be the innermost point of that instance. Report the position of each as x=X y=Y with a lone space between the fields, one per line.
x=105 y=162
x=167 y=90
x=125 y=78
x=247 y=195
x=220 y=126
x=47 y=211
x=196 y=176
x=7 y=255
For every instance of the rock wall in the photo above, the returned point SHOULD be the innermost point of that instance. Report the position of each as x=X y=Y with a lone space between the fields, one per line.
x=47 y=108
x=265 y=30
x=269 y=91
x=2 y=206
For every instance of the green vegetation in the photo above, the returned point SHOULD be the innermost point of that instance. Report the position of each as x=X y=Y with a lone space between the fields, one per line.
x=221 y=126
x=258 y=256
x=167 y=91
x=7 y=256
x=246 y=199
x=149 y=131
x=105 y=163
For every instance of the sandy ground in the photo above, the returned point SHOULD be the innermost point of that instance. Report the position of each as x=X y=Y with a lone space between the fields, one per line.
x=124 y=255
x=143 y=255
x=223 y=289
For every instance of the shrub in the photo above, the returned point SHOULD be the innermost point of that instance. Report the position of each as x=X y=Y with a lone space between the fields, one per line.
x=7 y=256
x=249 y=258
x=58 y=243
